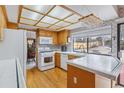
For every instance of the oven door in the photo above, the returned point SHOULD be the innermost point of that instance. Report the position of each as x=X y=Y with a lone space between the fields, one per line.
x=48 y=60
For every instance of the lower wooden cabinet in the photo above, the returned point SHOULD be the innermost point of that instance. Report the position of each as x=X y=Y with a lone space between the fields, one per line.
x=58 y=60
x=78 y=78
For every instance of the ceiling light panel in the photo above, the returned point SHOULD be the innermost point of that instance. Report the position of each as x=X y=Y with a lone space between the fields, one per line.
x=42 y=25
x=27 y=21
x=77 y=25
x=59 y=12
x=27 y=26
x=54 y=27
x=39 y=8
x=49 y=20
x=30 y=14
x=62 y=24
x=12 y=13
x=73 y=18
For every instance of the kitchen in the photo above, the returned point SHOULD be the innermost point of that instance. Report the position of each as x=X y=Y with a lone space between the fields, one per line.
x=58 y=47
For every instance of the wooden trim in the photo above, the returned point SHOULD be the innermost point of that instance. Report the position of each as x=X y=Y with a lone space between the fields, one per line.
x=12 y=25
x=67 y=8
x=19 y=12
x=45 y=14
x=4 y=12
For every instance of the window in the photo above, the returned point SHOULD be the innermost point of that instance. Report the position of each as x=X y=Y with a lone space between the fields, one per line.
x=80 y=44
x=100 y=44
x=94 y=44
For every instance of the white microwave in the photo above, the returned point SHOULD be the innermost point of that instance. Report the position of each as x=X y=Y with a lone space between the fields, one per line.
x=46 y=40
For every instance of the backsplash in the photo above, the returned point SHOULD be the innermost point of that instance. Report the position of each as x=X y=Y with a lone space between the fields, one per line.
x=53 y=47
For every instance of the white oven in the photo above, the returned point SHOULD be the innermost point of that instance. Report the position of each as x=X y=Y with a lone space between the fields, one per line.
x=46 y=60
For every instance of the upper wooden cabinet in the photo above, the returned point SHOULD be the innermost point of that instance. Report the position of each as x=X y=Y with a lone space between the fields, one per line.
x=2 y=22
x=63 y=37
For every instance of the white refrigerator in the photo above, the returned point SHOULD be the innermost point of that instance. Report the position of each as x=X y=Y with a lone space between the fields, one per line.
x=14 y=45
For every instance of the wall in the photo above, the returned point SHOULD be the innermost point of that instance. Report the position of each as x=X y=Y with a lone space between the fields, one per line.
x=3 y=22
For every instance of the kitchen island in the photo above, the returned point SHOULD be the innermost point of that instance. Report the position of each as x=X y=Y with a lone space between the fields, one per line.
x=92 y=71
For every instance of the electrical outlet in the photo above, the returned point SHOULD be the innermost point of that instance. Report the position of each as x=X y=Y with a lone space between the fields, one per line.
x=75 y=80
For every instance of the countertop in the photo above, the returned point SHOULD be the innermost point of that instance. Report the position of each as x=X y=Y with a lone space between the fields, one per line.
x=70 y=53
x=106 y=66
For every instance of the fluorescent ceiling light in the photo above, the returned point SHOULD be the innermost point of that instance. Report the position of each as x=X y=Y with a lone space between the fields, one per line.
x=62 y=24
x=27 y=21
x=73 y=18
x=43 y=24
x=30 y=14
x=49 y=20
x=59 y=12
x=40 y=8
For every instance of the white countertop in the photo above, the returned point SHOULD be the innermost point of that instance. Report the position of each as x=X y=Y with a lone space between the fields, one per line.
x=8 y=78
x=71 y=53
x=107 y=66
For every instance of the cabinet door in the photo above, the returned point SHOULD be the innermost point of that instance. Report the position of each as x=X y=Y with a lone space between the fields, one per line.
x=57 y=59
x=63 y=37
x=54 y=35
x=78 y=78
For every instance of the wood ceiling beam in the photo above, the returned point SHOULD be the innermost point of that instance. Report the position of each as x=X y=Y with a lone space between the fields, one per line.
x=4 y=12
x=46 y=14
x=69 y=9
x=19 y=13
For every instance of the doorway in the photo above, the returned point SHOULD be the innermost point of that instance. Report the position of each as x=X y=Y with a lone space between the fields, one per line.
x=120 y=43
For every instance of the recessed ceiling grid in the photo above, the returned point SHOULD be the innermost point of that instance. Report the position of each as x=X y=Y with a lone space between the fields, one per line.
x=40 y=17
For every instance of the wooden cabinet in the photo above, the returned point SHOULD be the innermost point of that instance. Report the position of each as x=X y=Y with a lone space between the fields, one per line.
x=2 y=23
x=54 y=35
x=58 y=60
x=63 y=37
x=70 y=57
x=78 y=78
